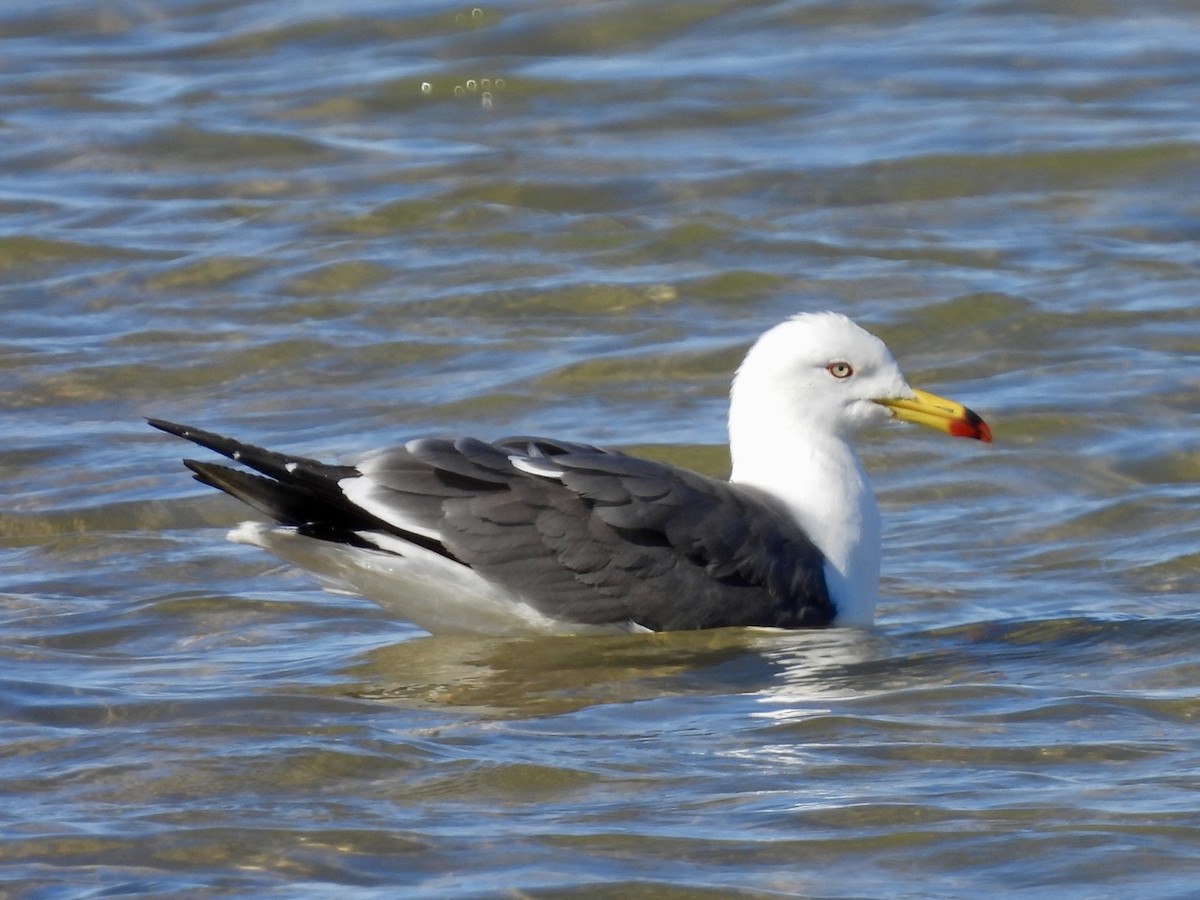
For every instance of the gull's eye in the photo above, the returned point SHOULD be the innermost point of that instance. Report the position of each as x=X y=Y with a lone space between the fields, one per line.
x=840 y=369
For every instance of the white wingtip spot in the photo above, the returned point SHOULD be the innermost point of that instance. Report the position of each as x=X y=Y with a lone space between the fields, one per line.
x=291 y=467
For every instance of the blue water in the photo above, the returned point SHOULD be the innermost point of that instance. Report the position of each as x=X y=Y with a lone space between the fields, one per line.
x=252 y=216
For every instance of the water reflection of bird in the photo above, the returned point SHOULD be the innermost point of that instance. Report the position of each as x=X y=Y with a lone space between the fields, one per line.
x=535 y=534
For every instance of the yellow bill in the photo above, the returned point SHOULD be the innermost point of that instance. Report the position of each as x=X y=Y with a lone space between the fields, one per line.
x=941 y=414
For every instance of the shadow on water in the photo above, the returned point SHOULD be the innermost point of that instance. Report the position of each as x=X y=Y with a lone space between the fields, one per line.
x=548 y=676
x=972 y=664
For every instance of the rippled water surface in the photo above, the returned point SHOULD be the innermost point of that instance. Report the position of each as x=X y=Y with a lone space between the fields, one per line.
x=328 y=227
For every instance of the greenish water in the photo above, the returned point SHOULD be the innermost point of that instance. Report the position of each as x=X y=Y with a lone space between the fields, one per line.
x=252 y=216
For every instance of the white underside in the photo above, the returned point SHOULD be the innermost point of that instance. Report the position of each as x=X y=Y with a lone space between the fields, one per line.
x=420 y=586
x=830 y=497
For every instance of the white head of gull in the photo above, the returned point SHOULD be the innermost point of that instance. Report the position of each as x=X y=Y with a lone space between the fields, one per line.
x=806 y=389
x=537 y=534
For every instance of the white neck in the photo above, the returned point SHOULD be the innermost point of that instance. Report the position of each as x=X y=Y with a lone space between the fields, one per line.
x=822 y=483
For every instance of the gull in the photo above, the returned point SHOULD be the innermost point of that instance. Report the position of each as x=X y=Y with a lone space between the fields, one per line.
x=540 y=535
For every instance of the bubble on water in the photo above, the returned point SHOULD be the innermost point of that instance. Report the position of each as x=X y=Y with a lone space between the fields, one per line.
x=485 y=83
x=499 y=84
x=426 y=87
x=476 y=13
x=459 y=91
x=661 y=293
x=486 y=100
x=472 y=84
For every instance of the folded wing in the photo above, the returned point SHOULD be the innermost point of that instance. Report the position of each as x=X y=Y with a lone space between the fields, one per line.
x=581 y=534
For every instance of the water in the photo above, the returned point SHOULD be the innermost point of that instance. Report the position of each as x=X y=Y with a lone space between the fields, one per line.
x=250 y=216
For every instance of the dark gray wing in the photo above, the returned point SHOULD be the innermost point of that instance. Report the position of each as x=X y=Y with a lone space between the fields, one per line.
x=591 y=536
x=582 y=534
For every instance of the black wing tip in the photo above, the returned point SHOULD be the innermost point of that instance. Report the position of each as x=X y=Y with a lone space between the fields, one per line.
x=265 y=461
x=284 y=503
x=200 y=470
x=223 y=478
x=208 y=439
x=169 y=427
